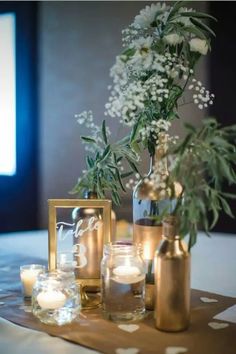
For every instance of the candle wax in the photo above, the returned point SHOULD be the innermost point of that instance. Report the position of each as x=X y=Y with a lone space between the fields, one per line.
x=51 y=299
x=127 y=274
x=28 y=279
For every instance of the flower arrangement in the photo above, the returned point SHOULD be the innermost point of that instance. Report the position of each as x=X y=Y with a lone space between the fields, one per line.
x=152 y=78
x=152 y=75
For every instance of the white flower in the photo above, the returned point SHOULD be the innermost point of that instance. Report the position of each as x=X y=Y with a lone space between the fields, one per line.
x=148 y=15
x=143 y=43
x=198 y=45
x=143 y=56
x=173 y=39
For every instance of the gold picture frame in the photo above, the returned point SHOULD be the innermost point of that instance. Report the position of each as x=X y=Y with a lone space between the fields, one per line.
x=53 y=205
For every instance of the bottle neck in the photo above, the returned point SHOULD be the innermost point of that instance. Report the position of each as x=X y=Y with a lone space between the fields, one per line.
x=171 y=227
x=90 y=195
x=159 y=159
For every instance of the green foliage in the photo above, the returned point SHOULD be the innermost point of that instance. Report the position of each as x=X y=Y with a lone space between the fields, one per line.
x=103 y=174
x=204 y=160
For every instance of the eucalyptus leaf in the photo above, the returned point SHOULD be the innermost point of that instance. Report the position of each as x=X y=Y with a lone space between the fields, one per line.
x=175 y=9
x=104 y=133
x=88 y=139
x=196 y=31
x=202 y=25
x=197 y=15
x=127 y=174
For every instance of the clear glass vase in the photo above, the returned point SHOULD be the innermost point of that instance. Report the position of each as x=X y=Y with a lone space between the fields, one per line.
x=123 y=282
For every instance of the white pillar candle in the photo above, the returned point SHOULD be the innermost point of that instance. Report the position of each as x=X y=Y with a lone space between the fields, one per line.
x=28 y=279
x=51 y=299
x=127 y=274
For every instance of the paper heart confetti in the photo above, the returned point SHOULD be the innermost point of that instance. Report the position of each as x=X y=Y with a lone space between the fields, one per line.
x=129 y=327
x=207 y=299
x=127 y=351
x=217 y=325
x=228 y=315
x=175 y=350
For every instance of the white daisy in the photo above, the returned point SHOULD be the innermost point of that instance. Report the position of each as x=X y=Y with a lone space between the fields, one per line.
x=148 y=15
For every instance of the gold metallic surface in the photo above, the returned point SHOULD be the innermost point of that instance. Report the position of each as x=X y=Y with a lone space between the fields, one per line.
x=147 y=230
x=113 y=226
x=89 y=302
x=52 y=239
x=172 y=283
x=104 y=205
x=149 y=237
x=92 y=240
x=145 y=190
x=149 y=296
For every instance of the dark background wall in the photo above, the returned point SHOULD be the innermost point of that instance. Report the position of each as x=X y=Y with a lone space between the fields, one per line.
x=69 y=49
x=78 y=43
x=222 y=80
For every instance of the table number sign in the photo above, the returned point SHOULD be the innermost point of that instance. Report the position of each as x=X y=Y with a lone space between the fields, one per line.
x=76 y=242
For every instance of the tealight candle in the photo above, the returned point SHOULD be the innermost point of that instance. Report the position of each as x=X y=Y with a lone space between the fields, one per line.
x=123 y=280
x=126 y=274
x=51 y=299
x=56 y=298
x=28 y=274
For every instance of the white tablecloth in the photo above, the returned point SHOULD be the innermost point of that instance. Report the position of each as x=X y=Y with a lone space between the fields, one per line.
x=213 y=270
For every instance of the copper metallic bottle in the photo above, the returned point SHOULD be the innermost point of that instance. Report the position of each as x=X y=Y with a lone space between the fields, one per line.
x=149 y=203
x=172 y=280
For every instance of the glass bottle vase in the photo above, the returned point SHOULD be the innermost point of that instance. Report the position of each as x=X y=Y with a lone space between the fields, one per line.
x=150 y=202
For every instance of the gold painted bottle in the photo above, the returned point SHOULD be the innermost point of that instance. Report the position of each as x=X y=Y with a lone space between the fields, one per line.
x=89 y=236
x=172 y=280
x=149 y=202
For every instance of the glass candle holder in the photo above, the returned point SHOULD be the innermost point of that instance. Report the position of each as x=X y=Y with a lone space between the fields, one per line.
x=123 y=282
x=28 y=275
x=56 y=298
x=66 y=262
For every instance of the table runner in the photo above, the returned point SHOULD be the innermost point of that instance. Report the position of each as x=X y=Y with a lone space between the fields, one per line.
x=92 y=331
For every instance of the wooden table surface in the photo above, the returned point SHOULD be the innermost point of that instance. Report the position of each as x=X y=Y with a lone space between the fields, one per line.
x=213 y=270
